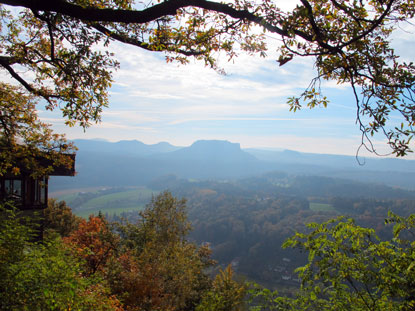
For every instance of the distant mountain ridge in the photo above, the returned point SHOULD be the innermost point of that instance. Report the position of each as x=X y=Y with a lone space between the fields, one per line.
x=131 y=163
x=212 y=150
x=337 y=161
x=133 y=147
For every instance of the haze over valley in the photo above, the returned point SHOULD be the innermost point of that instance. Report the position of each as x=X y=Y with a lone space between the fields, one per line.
x=133 y=163
x=242 y=202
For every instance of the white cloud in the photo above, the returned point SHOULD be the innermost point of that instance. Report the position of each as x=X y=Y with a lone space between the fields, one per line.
x=213 y=118
x=129 y=116
x=153 y=101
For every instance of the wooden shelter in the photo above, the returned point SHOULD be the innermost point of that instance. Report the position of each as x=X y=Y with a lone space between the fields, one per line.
x=28 y=193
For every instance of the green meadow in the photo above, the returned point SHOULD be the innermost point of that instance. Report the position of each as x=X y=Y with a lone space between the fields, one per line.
x=86 y=203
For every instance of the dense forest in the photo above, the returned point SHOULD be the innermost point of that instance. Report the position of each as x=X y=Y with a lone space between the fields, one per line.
x=152 y=260
x=94 y=265
x=245 y=222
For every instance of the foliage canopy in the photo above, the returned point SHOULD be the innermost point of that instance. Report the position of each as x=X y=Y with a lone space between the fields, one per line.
x=349 y=267
x=44 y=276
x=145 y=266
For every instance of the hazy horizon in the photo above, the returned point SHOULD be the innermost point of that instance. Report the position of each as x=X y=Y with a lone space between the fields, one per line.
x=153 y=101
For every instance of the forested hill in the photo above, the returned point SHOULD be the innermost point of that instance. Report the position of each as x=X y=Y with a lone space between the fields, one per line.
x=246 y=221
x=133 y=163
x=283 y=184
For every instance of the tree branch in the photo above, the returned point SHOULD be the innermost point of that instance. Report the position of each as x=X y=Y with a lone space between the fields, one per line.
x=147 y=15
x=8 y=60
x=130 y=16
x=135 y=42
x=50 y=29
x=371 y=29
x=25 y=84
x=6 y=65
x=319 y=35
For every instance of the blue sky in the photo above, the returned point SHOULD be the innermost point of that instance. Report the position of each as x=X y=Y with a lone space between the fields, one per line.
x=153 y=101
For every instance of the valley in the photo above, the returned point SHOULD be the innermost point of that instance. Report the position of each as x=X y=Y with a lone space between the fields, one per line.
x=244 y=218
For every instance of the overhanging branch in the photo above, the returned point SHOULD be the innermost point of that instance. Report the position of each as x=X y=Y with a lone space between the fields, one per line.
x=24 y=83
x=166 y=8
x=138 y=43
x=152 y=13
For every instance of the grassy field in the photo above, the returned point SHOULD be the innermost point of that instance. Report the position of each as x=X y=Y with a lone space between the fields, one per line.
x=61 y=193
x=107 y=210
x=321 y=207
x=112 y=203
x=68 y=198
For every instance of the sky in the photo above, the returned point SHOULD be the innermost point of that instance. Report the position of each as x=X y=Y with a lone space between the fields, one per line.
x=154 y=101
